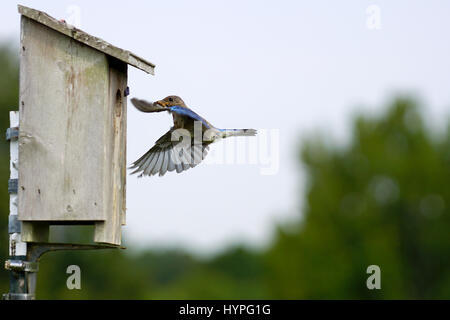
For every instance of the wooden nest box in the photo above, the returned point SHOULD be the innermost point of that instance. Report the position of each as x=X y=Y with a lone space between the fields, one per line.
x=72 y=130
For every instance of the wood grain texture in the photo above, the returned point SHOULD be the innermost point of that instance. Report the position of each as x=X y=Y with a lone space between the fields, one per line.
x=67 y=134
x=87 y=39
x=72 y=137
x=109 y=231
x=63 y=111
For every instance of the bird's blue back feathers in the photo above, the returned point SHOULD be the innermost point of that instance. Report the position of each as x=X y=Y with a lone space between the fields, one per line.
x=188 y=113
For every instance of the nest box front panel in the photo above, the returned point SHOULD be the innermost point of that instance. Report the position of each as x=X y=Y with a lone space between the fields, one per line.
x=69 y=135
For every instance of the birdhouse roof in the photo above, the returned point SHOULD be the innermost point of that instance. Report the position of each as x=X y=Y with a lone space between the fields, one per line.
x=89 y=40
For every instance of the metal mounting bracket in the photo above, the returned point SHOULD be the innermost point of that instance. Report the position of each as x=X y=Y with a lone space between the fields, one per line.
x=20 y=265
x=37 y=249
x=13 y=185
x=12 y=133
x=14 y=224
x=18 y=296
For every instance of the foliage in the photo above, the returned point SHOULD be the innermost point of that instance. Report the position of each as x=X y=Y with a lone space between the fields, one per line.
x=382 y=200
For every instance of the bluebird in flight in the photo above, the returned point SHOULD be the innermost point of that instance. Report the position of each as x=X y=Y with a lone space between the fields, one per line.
x=172 y=151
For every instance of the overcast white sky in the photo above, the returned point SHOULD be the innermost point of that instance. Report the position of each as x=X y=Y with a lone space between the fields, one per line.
x=296 y=66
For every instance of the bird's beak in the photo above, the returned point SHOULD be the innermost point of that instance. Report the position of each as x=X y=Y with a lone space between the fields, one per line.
x=161 y=103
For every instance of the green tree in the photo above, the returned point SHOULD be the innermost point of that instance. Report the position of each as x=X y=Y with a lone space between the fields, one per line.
x=383 y=200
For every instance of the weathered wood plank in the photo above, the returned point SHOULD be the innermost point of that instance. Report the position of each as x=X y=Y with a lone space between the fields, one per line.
x=72 y=138
x=109 y=231
x=94 y=42
x=64 y=118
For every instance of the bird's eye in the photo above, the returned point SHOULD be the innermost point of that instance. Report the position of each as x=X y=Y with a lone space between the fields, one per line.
x=170 y=99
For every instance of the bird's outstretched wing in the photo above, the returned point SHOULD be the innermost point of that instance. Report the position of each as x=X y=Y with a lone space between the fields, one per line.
x=167 y=155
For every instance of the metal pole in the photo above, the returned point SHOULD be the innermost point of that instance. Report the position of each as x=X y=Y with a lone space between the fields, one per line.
x=20 y=281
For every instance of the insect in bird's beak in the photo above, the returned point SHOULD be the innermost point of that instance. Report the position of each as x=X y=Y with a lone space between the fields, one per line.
x=161 y=103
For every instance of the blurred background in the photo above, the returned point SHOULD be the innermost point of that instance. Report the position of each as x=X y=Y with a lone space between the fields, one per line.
x=359 y=93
